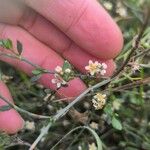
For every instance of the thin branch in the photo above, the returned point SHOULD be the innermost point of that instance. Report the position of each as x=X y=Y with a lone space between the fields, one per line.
x=26 y=61
x=141 y=54
x=45 y=71
x=44 y=131
x=62 y=112
x=19 y=143
x=130 y=85
x=137 y=43
x=22 y=110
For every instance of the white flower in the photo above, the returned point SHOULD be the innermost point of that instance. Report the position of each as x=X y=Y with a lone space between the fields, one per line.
x=6 y=78
x=92 y=146
x=102 y=72
x=58 y=81
x=58 y=69
x=93 y=67
x=104 y=66
x=61 y=70
x=121 y=10
x=63 y=82
x=99 y=100
x=79 y=147
x=135 y=66
x=68 y=70
x=103 y=69
x=94 y=125
x=65 y=123
x=96 y=67
x=29 y=125
x=108 y=5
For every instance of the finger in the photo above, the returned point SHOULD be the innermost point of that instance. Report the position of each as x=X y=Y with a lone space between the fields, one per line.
x=44 y=31
x=39 y=54
x=57 y=40
x=80 y=59
x=85 y=22
x=10 y=121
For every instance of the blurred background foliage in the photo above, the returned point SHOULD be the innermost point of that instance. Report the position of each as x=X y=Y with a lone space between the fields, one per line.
x=131 y=107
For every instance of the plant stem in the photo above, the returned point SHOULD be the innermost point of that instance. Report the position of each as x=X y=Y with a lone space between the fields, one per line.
x=22 y=110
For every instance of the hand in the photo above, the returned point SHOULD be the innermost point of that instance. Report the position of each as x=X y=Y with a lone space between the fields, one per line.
x=77 y=30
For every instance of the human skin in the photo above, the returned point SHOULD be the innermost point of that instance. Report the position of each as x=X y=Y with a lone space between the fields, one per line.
x=54 y=30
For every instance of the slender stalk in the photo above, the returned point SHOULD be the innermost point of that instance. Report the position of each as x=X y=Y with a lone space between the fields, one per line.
x=136 y=46
x=62 y=112
x=26 y=61
x=44 y=131
x=22 y=110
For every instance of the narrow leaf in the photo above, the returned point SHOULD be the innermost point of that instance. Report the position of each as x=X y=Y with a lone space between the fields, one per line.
x=36 y=71
x=5 y=108
x=7 y=44
x=19 y=47
x=116 y=123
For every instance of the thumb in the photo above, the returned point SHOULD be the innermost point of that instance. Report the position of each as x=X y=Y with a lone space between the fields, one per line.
x=10 y=121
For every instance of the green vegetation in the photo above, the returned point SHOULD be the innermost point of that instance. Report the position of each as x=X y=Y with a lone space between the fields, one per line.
x=123 y=123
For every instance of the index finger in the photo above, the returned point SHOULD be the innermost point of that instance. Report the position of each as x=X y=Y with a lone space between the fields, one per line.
x=86 y=22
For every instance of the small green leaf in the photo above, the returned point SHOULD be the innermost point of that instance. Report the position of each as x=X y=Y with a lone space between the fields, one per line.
x=6 y=44
x=19 y=47
x=116 y=123
x=37 y=71
x=108 y=110
x=67 y=76
x=5 y=108
x=66 y=65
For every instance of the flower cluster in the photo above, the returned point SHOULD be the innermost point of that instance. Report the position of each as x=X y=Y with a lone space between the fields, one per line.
x=63 y=74
x=99 y=101
x=58 y=81
x=135 y=66
x=60 y=71
x=96 y=68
